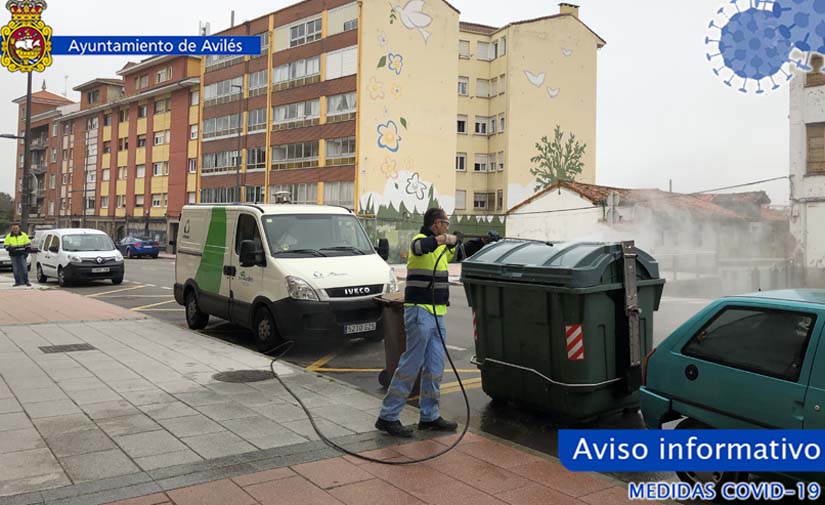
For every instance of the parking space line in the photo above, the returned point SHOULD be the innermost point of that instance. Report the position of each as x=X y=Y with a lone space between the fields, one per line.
x=153 y=305
x=163 y=310
x=115 y=291
x=364 y=370
x=452 y=387
x=133 y=296
x=312 y=367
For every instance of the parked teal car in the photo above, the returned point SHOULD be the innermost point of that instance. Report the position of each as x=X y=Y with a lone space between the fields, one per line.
x=751 y=361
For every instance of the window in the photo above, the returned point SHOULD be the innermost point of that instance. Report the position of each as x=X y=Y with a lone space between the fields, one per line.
x=194 y=97
x=52 y=181
x=223 y=126
x=816 y=148
x=502 y=47
x=484 y=51
x=121 y=201
x=163 y=75
x=463 y=86
x=105 y=174
x=160 y=168
x=93 y=96
x=483 y=88
x=107 y=147
x=141 y=140
x=192 y=166
x=220 y=162
x=123 y=115
x=163 y=105
x=341 y=151
x=90 y=204
x=156 y=200
x=767 y=342
x=482 y=125
x=461 y=162
x=255 y=194
x=191 y=197
x=107 y=120
x=142 y=81
x=499 y=199
x=464 y=49
x=91 y=123
x=256 y=120
x=342 y=63
x=493 y=126
x=122 y=173
x=462 y=124
x=161 y=137
x=298 y=155
x=501 y=123
x=193 y=132
x=218 y=195
x=305 y=194
x=341 y=107
x=142 y=111
x=138 y=200
x=54 y=129
x=140 y=171
x=305 y=32
x=296 y=115
x=104 y=202
x=483 y=201
x=51 y=208
x=502 y=84
x=255 y=158
x=65 y=154
x=460 y=199
x=297 y=73
x=480 y=163
x=54 y=155
x=339 y=193
x=352 y=24
x=264 y=42
x=501 y=161
x=223 y=91
x=257 y=83
x=123 y=144
x=494 y=86
x=494 y=50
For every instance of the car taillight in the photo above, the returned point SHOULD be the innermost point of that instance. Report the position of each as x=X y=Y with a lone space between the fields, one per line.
x=644 y=366
x=155 y=244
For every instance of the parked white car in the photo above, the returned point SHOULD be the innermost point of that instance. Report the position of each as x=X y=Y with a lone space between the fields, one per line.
x=76 y=254
x=5 y=261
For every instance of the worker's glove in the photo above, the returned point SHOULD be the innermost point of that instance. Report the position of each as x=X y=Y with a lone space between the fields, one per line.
x=492 y=236
x=450 y=239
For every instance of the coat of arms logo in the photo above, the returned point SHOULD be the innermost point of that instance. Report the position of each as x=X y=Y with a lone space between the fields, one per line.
x=26 y=38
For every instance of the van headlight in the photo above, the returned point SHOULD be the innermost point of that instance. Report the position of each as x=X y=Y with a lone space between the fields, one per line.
x=300 y=289
x=393 y=284
x=74 y=258
x=118 y=258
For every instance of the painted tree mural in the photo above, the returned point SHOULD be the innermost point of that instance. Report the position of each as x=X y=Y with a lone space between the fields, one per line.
x=557 y=160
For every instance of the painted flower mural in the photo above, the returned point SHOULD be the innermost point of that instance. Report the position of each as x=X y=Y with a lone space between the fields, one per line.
x=388 y=137
x=415 y=186
x=395 y=91
x=388 y=168
x=396 y=63
x=382 y=39
x=375 y=89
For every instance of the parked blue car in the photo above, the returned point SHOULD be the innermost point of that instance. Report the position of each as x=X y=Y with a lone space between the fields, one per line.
x=133 y=247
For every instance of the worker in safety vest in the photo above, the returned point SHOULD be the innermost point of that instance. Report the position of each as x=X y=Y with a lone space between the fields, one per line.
x=425 y=352
x=18 y=245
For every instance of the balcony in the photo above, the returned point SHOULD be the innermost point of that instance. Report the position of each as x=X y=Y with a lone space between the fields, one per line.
x=39 y=143
x=38 y=168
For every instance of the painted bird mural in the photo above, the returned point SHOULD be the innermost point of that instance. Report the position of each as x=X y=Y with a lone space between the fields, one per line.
x=413 y=17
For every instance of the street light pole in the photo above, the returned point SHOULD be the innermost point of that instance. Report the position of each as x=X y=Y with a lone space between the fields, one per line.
x=240 y=156
x=85 y=178
x=27 y=159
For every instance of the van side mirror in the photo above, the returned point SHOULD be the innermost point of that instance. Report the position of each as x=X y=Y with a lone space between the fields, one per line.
x=384 y=249
x=251 y=254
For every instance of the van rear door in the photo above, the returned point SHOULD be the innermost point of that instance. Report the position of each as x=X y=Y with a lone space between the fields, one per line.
x=204 y=241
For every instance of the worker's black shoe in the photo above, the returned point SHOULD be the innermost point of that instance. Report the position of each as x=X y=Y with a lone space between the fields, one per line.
x=439 y=424
x=394 y=428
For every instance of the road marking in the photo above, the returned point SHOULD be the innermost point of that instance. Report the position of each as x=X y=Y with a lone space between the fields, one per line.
x=312 y=367
x=153 y=305
x=456 y=348
x=467 y=387
x=151 y=285
x=164 y=310
x=114 y=291
x=165 y=287
x=452 y=387
x=134 y=296
x=345 y=370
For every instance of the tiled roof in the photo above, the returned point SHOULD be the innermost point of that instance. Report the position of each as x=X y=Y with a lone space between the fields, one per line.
x=44 y=95
x=477 y=28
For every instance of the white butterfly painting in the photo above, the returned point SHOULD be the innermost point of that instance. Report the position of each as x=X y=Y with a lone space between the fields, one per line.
x=535 y=79
x=413 y=17
x=566 y=52
x=553 y=92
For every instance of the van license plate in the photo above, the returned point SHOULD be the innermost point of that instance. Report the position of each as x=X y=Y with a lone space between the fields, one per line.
x=100 y=270
x=359 y=328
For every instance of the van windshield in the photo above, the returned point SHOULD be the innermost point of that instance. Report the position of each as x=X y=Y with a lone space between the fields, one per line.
x=310 y=235
x=77 y=243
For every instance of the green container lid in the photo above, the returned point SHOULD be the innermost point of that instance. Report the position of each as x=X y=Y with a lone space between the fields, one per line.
x=564 y=264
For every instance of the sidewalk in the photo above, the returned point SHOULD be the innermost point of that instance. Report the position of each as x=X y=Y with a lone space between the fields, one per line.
x=137 y=408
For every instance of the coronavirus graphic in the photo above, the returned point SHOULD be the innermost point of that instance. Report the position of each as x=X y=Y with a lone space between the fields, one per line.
x=756 y=40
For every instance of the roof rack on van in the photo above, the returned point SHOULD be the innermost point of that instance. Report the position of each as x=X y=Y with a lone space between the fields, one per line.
x=236 y=204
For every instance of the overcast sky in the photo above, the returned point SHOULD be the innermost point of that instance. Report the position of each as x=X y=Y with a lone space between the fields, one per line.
x=662 y=113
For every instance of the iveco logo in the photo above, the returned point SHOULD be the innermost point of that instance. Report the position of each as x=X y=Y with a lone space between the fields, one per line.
x=99 y=259
x=356 y=291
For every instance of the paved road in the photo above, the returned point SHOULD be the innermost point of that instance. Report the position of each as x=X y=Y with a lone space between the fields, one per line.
x=148 y=289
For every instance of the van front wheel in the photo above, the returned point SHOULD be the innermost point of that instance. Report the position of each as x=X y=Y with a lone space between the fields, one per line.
x=195 y=319
x=266 y=333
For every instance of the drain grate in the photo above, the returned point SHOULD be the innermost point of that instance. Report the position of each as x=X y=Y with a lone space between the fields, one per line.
x=243 y=376
x=50 y=349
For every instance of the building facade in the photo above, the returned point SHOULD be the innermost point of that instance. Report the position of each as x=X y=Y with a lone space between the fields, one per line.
x=807 y=171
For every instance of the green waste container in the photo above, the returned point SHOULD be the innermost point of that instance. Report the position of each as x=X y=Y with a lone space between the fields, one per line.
x=563 y=327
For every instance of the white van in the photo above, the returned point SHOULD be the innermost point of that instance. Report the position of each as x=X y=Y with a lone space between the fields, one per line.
x=284 y=271
x=78 y=254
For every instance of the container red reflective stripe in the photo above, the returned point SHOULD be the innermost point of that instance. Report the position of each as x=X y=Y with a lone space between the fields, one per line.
x=475 y=327
x=575 y=342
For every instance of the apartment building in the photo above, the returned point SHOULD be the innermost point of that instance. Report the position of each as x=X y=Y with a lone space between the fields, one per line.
x=124 y=159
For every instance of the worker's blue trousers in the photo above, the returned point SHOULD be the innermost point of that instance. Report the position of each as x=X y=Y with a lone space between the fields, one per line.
x=424 y=352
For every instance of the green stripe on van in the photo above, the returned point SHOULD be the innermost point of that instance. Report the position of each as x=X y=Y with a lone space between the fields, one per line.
x=210 y=271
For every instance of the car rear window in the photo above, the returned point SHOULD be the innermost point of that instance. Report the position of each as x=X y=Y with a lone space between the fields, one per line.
x=767 y=342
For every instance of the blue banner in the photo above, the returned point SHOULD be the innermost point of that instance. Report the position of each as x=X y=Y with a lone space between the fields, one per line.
x=693 y=450
x=156 y=45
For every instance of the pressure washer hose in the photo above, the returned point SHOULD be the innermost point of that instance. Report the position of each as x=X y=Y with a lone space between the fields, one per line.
x=289 y=343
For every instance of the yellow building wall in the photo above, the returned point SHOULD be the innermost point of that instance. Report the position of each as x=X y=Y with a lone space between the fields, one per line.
x=397 y=164
x=140 y=155
x=141 y=126
x=193 y=115
x=107 y=133
x=192 y=150
x=122 y=158
x=140 y=185
x=160 y=153
x=120 y=187
x=161 y=121
x=105 y=160
x=193 y=67
x=120 y=212
x=566 y=52
x=191 y=182
x=159 y=184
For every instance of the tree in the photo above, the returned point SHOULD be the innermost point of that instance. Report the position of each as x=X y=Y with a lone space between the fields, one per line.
x=6 y=210
x=557 y=162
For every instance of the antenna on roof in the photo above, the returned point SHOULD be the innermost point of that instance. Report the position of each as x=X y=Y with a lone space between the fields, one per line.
x=43 y=87
x=204 y=29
